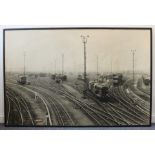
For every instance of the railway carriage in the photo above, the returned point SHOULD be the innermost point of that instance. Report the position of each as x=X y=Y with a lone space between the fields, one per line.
x=22 y=80
x=42 y=74
x=59 y=78
x=64 y=77
x=80 y=77
x=117 y=79
x=146 y=80
x=36 y=76
x=53 y=76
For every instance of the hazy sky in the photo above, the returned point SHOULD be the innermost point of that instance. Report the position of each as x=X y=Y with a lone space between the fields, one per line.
x=45 y=47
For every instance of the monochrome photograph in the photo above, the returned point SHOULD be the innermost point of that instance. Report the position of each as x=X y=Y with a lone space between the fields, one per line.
x=78 y=77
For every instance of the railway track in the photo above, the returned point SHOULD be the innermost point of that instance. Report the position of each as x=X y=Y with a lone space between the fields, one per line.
x=18 y=104
x=124 y=110
x=127 y=116
x=8 y=106
x=136 y=97
x=110 y=115
x=63 y=117
x=117 y=114
x=88 y=110
x=141 y=104
x=129 y=107
x=138 y=92
x=135 y=100
x=104 y=108
x=25 y=107
x=97 y=116
x=145 y=91
x=102 y=112
x=15 y=112
x=124 y=117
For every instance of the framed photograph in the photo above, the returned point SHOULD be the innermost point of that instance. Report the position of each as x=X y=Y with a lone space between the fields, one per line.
x=78 y=77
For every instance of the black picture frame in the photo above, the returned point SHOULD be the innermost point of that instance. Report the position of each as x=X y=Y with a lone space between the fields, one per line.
x=74 y=28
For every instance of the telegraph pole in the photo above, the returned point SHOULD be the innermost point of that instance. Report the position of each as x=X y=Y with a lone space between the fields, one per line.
x=52 y=68
x=103 y=66
x=133 y=65
x=62 y=64
x=97 y=68
x=97 y=65
x=24 y=62
x=111 y=66
x=84 y=41
x=55 y=66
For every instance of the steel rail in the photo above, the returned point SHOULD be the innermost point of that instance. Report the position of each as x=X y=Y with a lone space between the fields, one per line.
x=40 y=96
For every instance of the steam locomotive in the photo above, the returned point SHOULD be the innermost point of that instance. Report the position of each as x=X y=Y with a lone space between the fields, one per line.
x=100 y=87
x=100 y=90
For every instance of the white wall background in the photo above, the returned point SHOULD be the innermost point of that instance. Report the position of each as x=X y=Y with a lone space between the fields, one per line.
x=76 y=12
x=1 y=72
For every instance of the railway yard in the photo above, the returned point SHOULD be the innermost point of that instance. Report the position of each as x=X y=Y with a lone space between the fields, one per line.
x=45 y=102
x=78 y=78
